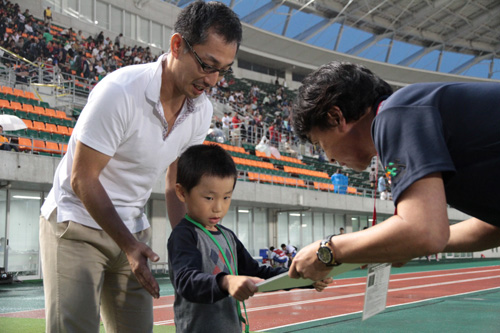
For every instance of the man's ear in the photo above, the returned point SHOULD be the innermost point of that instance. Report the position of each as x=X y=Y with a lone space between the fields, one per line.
x=180 y=192
x=175 y=44
x=336 y=118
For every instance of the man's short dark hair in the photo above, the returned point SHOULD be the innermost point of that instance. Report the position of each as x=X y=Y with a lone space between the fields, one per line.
x=204 y=160
x=195 y=21
x=351 y=87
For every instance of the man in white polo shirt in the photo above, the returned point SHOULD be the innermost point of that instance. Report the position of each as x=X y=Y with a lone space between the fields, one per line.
x=137 y=121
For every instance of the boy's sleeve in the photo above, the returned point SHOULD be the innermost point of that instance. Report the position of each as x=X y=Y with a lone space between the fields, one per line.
x=186 y=264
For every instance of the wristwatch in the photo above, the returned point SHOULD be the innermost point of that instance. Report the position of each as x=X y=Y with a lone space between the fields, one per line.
x=325 y=254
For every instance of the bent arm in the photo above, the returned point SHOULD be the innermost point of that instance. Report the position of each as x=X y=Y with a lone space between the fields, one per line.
x=472 y=235
x=421 y=227
x=175 y=208
x=87 y=166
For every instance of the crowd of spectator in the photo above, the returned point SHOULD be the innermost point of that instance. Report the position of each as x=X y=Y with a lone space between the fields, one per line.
x=63 y=50
x=255 y=114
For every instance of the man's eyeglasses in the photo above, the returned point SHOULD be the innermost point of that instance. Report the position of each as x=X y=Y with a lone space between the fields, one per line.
x=206 y=67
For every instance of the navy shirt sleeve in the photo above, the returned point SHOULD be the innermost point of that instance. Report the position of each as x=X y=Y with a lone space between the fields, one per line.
x=411 y=144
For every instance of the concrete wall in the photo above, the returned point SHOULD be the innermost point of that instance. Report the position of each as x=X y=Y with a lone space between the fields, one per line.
x=27 y=171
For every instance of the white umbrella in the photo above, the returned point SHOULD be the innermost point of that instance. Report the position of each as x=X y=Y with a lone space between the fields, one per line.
x=11 y=123
x=275 y=152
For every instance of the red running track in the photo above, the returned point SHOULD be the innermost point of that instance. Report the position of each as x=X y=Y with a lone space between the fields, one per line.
x=345 y=296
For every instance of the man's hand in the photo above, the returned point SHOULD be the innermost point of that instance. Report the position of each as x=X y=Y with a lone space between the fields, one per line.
x=321 y=285
x=240 y=287
x=138 y=257
x=306 y=264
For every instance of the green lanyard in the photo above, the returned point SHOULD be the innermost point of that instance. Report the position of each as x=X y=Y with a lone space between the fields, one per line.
x=240 y=316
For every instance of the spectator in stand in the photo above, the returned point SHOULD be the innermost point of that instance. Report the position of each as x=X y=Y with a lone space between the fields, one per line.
x=289 y=250
x=226 y=124
x=79 y=36
x=28 y=29
x=5 y=142
x=100 y=37
x=382 y=187
x=278 y=257
x=47 y=35
x=118 y=40
x=373 y=177
x=47 y=16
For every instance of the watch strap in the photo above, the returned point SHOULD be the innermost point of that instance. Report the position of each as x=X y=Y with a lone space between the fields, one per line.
x=324 y=242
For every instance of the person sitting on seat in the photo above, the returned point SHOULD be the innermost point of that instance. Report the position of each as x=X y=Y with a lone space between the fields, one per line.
x=5 y=142
x=278 y=257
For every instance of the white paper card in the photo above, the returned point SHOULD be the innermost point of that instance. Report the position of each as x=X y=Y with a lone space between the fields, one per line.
x=377 y=285
x=283 y=281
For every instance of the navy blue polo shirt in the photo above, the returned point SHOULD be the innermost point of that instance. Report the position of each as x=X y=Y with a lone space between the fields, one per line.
x=452 y=128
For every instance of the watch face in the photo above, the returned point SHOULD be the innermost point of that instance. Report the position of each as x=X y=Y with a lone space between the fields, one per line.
x=324 y=255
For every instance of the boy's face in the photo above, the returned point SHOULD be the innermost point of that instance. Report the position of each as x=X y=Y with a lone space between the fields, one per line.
x=208 y=202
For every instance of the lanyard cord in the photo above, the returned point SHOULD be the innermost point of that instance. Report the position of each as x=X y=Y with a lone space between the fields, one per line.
x=240 y=316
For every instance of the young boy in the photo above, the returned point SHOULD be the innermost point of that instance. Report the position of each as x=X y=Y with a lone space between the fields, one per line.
x=204 y=276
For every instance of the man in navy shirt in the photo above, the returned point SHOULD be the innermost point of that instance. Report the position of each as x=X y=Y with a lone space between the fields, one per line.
x=439 y=141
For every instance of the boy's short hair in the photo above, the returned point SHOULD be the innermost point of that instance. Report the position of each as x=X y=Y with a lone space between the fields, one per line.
x=204 y=160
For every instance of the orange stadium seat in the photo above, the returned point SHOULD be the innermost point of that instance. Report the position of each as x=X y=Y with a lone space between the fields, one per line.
x=63 y=147
x=39 y=110
x=28 y=123
x=50 y=113
x=28 y=108
x=18 y=92
x=25 y=144
x=52 y=147
x=52 y=128
x=4 y=103
x=63 y=130
x=39 y=126
x=16 y=106
x=39 y=146
x=7 y=90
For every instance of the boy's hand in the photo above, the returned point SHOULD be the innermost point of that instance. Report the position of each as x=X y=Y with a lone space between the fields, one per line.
x=240 y=287
x=321 y=285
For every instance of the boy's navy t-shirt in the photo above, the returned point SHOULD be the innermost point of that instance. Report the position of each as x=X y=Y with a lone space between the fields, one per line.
x=452 y=128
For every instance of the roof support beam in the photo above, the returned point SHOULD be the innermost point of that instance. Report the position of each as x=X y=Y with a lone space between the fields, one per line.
x=339 y=36
x=389 y=49
x=183 y=2
x=315 y=29
x=367 y=43
x=468 y=64
x=417 y=55
x=285 y=27
x=259 y=13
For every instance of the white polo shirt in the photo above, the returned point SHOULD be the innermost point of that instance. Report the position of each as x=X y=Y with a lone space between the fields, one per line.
x=122 y=119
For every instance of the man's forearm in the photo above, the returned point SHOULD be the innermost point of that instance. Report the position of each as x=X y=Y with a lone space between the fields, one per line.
x=472 y=235
x=99 y=205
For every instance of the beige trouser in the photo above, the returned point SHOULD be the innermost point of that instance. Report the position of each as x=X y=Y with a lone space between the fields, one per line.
x=85 y=273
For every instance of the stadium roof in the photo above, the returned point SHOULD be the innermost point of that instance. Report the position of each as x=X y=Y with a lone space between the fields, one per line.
x=451 y=36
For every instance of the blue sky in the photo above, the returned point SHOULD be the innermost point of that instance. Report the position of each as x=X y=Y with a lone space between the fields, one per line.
x=300 y=21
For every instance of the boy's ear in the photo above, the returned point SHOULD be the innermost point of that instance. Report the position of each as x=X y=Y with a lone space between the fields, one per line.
x=180 y=192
